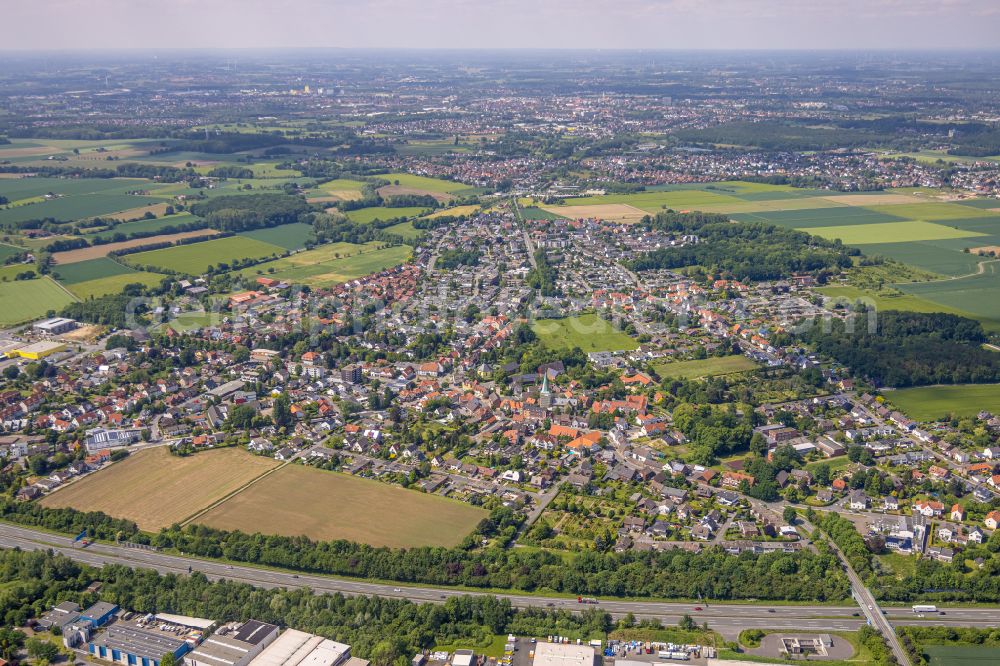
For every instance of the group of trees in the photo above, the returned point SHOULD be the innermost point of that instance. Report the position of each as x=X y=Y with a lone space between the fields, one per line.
x=449 y=259
x=542 y=277
x=676 y=574
x=908 y=348
x=748 y=251
x=252 y=211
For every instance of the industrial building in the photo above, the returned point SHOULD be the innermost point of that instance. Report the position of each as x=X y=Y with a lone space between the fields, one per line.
x=37 y=350
x=143 y=641
x=103 y=438
x=100 y=613
x=55 y=326
x=233 y=645
x=563 y=654
x=297 y=648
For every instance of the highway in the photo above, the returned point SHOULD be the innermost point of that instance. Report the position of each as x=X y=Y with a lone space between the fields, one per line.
x=728 y=619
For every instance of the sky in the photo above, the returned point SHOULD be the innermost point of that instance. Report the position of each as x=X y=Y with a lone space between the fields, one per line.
x=581 y=24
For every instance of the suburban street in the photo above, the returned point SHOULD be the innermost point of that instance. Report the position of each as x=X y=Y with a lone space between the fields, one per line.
x=728 y=619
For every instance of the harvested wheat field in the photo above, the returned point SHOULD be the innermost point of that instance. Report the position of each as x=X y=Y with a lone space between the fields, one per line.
x=613 y=212
x=98 y=251
x=297 y=500
x=156 y=489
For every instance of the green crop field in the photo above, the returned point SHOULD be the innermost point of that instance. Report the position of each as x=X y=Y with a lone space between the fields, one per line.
x=30 y=299
x=406 y=230
x=891 y=232
x=928 y=403
x=961 y=655
x=904 y=302
x=92 y=269
x=536 y=213
x=298 y=500
x=331 y=264
x=113 y=284
x=289 y=236
x=707 y=367
x=424 y=183
x=143 y=226
x=653 y=201
x=195 y=258
x=74 y=207
x=367 y=215
x=8 y=251
x=589 y=332
x=933 y=211
x=808 y=218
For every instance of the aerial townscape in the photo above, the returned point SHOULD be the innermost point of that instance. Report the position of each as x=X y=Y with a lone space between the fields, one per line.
x=499 y=357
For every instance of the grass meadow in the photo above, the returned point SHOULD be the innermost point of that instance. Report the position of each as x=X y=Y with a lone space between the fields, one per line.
x=706 y=367
x=195 y=258
x=30 y=299
x=589 y=332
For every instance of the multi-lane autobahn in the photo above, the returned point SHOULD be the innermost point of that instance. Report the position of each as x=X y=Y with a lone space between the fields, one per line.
x=729 y=619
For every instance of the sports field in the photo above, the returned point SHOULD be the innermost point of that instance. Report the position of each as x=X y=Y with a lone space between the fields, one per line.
x=706 y=367
x=195 y=258
x=30 y=299
x=298 y=500
x=589 y=332
x=156 y=489
x=372 y=213
x=891 y=232
x=929 y=403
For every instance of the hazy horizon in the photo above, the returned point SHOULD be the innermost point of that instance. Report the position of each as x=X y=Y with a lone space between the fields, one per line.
x=107 y=25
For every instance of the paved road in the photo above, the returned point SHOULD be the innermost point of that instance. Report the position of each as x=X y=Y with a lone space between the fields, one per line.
x=726 y=618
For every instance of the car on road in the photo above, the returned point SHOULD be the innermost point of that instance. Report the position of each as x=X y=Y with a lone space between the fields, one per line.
x=697 y=608
x=870 y=607
x=770 y=610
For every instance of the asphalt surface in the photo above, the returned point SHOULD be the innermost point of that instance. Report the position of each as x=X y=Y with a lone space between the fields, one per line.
x=728 y=619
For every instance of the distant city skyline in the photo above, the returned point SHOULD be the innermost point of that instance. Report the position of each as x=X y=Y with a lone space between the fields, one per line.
x=582 y=24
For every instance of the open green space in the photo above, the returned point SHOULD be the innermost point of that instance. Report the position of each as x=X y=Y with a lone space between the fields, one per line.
x=289 y=236
x=653 y=201
x=536 y=213
x=195 y=258
x=406 y=230
x=808 y=218
x=929 y=403
x=892 y=301
x=589 y=332
x=706 y=367
x=8 y=251
x=30 y=299
x=891 y=232
x=977 y=294
x=372 y=213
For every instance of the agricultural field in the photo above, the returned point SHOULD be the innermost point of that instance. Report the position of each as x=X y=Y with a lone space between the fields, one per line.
x=455 y=211
x=929 y=403
x=31 y=299
x=156 y=490
x=373 y=213
x=92 y=269
x=707 y=367
x=289 y=236
x=589 y=332
x=298 y=500
x=75 y=207
x=143 y=226
x=340 y=189
x=8 y=251
x=195 y=258
x=331 y=264
x=430 y=185
x=612 y=212
x=113 y=284
x=961 y=655
x=897 y=301
x=536 y=213
x=99 y=251
x=406 y=230
x=891 y=232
